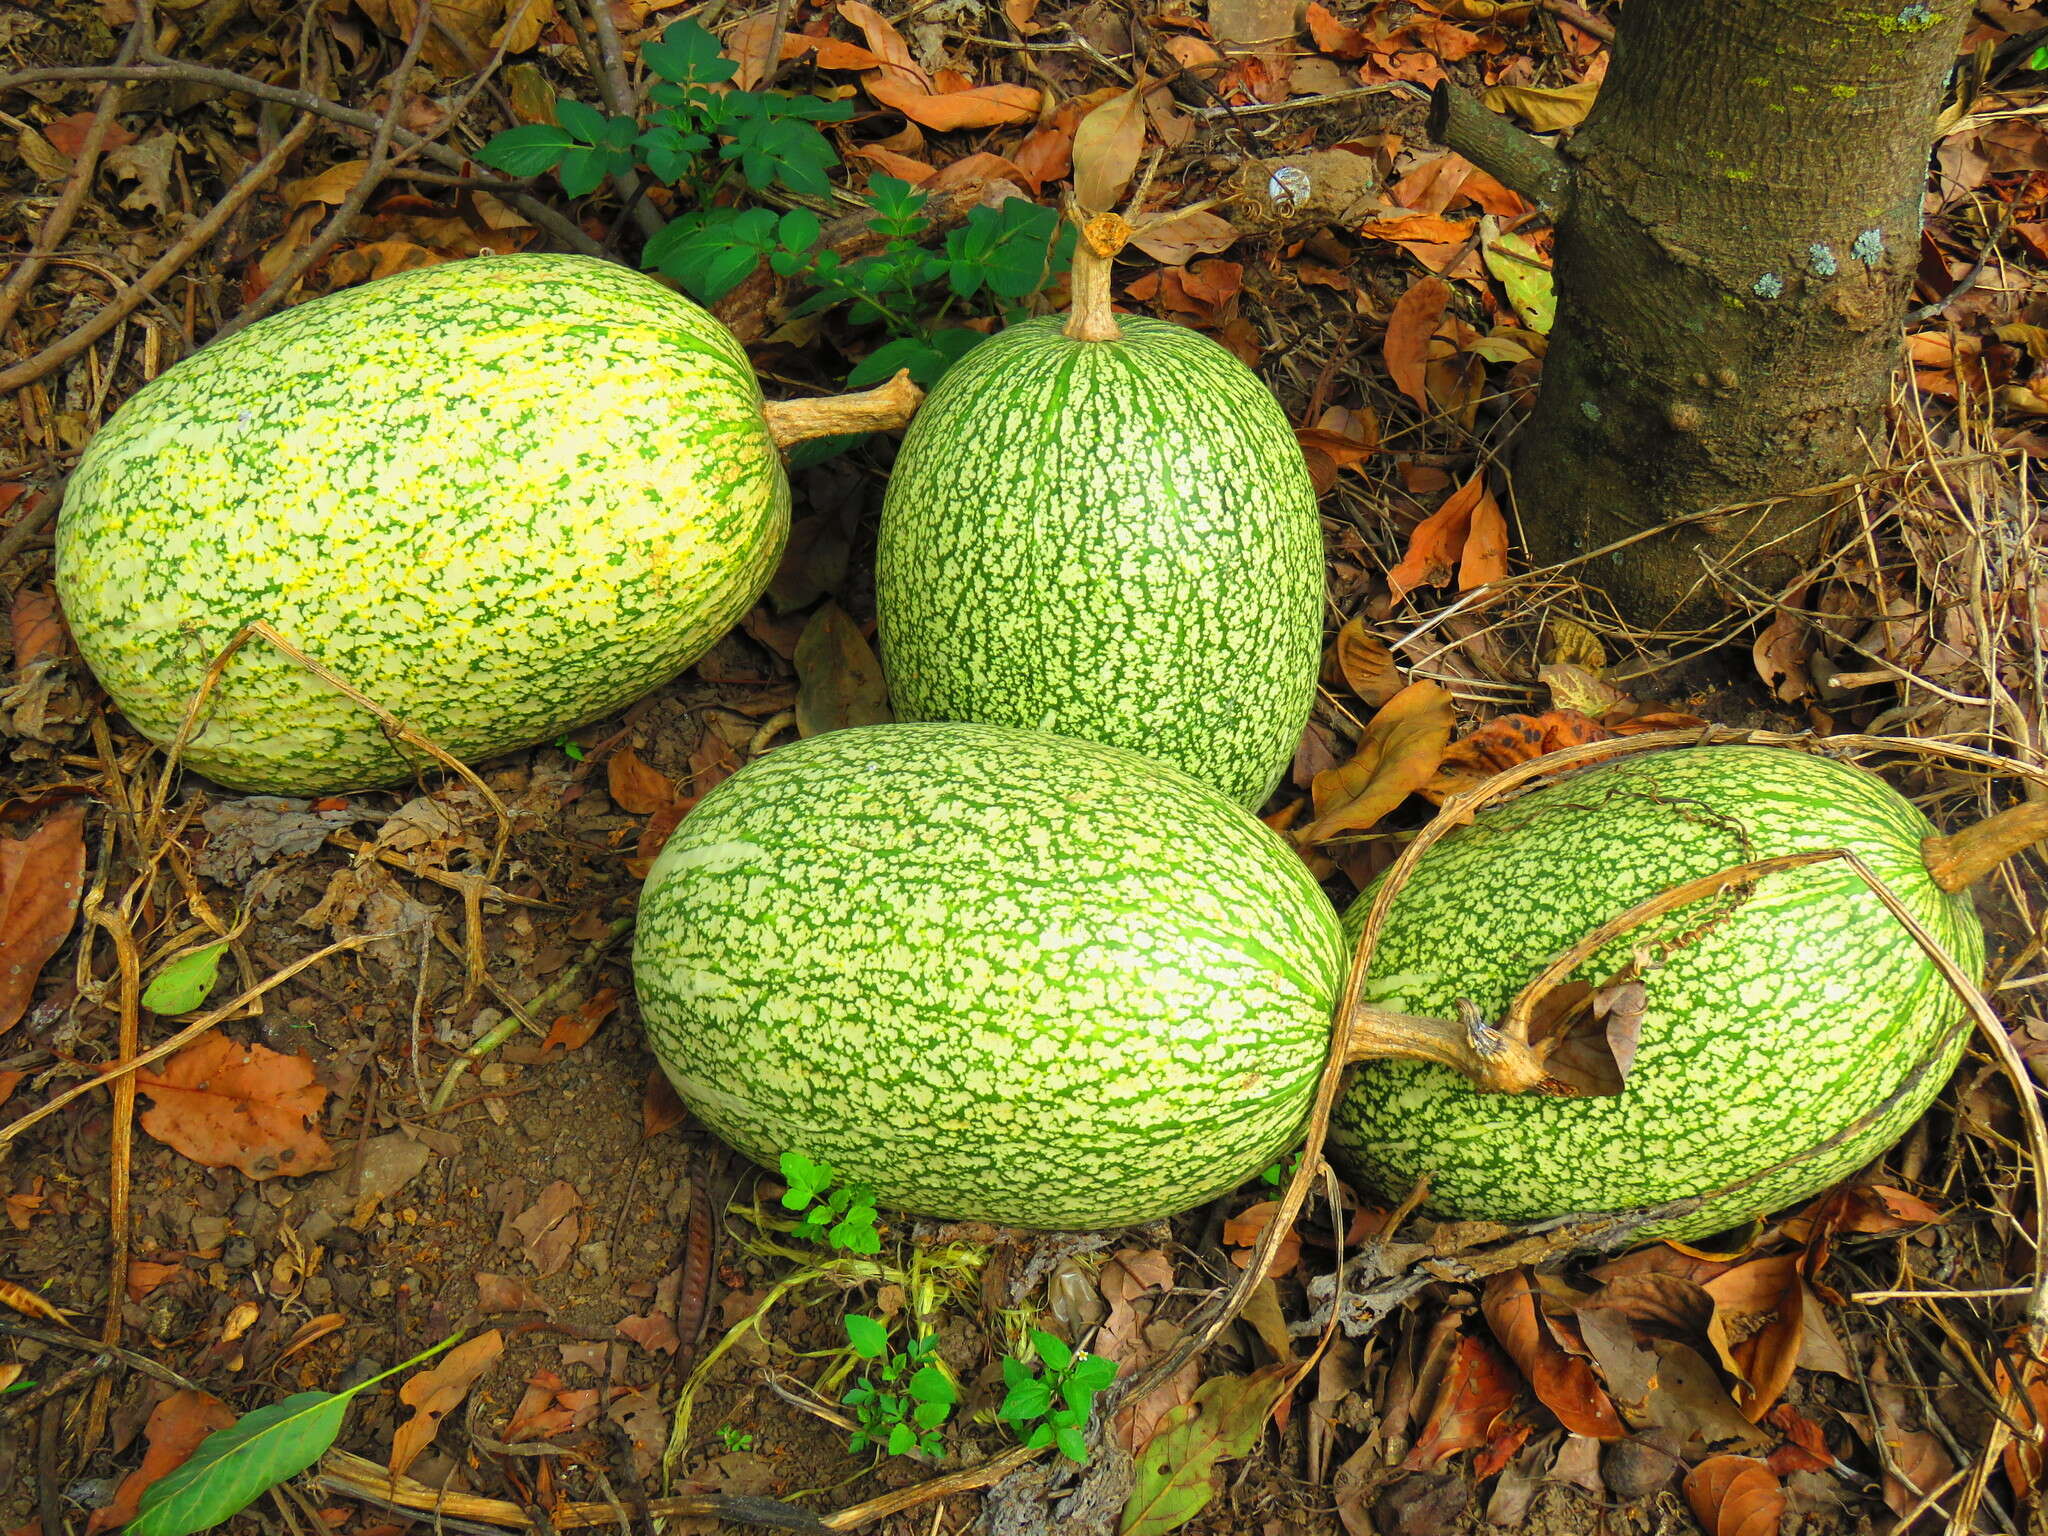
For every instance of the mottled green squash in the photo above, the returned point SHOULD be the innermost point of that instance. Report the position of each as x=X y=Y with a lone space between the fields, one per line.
x=500 y=497
x=1805 y=1011
x=997 y=974
x=1111 y=539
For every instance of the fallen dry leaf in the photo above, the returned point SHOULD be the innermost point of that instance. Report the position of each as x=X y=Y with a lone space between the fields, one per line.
x=1409 y=329
x=508 y=1293
x=226 y=1105
x=431 y=1393
x=549 y=1227
x=1478 y=1389
x=1398 y=752
x=1178 y=241
x=25 y=1301
x=175 y=1428
x=660 y=1109
x=636 y=788
x=1768 y=1356
x=40 y=879
x=1503 y=742
x=572 y=1031
x=2026 y=1456
x=1735 y=1496
x=1107 y=144
x=1366 y=665
x=1546 y=109
x=1562 y=1381
x=839 y=679
x=1243 y=1231
x=1466 y=534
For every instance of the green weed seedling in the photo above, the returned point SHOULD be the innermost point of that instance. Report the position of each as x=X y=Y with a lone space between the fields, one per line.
x=904 y=1397
x=837 y=1215
x=735 y=1439
x=1052 y=1407
x=726 y=150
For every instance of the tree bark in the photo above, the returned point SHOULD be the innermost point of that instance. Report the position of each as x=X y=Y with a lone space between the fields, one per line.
x=1739 y=223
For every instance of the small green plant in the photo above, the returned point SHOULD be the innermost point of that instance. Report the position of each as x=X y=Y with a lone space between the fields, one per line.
x=905 y=1395
x=720 y=147
x=735 y=1439
x=1282 y=1171
x=1052 y=1407
x=837 y=1215
x=570 y=749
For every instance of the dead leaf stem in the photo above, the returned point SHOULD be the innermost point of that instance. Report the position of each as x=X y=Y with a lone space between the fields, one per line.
x=884 y=408
x=1958 y=861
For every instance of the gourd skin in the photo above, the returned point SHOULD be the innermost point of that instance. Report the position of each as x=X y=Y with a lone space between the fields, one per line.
x=501 y=497
x=1115 y=540
x=1805 y=1010
x=997 y=974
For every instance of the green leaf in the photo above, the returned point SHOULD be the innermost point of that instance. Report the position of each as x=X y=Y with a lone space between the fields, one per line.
x=932 y=1385
x=581 y=171
x=525 y=151
x=901 y=1438
x=855 y=1396
x=1520 y=269
x=1092 y=1373
x=582 y=120
x=1039 y=1436
x=804 y=1178
x=182 y=984
x=688 y=55
x=1073 y=1445
x=234 y=1466
x=923 y=361
x=1174 y=1479
x=867 y=1336
x=1026 y=1401
x=799 y=230
x=931 y=1415
x=1015 y=1371
x=1052 y=1349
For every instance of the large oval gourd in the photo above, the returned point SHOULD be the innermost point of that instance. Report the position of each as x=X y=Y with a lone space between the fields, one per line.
x=996 y=974
x=500 y=497
x=1800 y=1017
x=1112 y=539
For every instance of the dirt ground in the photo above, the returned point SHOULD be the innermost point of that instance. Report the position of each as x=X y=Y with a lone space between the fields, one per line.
x=554 y=1200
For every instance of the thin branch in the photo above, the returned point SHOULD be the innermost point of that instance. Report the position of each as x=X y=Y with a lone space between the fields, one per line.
x=1499 y=148
x=563 y=229
x=617 y=90
x=358 y=195
x=129 y=299
x=24 y=276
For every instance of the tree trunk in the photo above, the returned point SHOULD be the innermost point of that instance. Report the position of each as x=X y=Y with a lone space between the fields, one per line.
x=1738 y=222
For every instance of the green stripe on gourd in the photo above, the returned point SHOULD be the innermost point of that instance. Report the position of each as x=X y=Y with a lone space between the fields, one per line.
x=501 y=497
x=997 y=974
x=1112 y=539
x=1804 y=1010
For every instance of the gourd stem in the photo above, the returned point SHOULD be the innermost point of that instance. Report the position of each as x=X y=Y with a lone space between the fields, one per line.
x=881 y=409
x=1961 y=859
x=1493 y=1060
x=1091 y=316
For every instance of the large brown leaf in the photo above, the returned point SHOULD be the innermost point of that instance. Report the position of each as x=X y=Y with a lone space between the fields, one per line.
x=226 y=1105
x=433 y=1392
x=1409 y=329
x=40 y=878
x=1735 y=1496
x=1478 y=1389
x=1563 y=1381
x=1401 y=747
x=175 y=1428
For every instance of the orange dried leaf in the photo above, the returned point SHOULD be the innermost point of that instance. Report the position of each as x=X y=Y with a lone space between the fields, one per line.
x=1478 y=1388
x=1735 y=1496
x=1398 y=752
x=1409 y=329
x=887 y=44
x=1337 y=38
x=1485 y=556
x=1367 y=665
x=226 y=1105
x=433 y=1392
x=660 y=1109
x=25 y=1301
x=40 y=879
x=1437 y=545
x=636 y=788
x=986 y=106
x=175 y=1428
x=1243 y=1231
x=1503 y=742
x=572 y=1031
x=1563 y=1382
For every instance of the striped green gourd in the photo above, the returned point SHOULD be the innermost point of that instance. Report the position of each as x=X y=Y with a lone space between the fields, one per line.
x=1803 y=1012
x=1108 y=538
x=500 y=497
x=997 y=974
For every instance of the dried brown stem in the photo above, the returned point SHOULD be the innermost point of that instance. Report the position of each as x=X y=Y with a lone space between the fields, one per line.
x=83 y=167
x=129 y=299
x=1493 y=1060
x=1091 y=316
x=1958 y=861
x=1586 y=22
x=884 y=408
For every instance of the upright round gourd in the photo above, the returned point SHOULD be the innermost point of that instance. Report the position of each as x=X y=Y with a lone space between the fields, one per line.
x=499 y=497
x=1787 y=1036
x=1106 y=530
x=996 y=974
